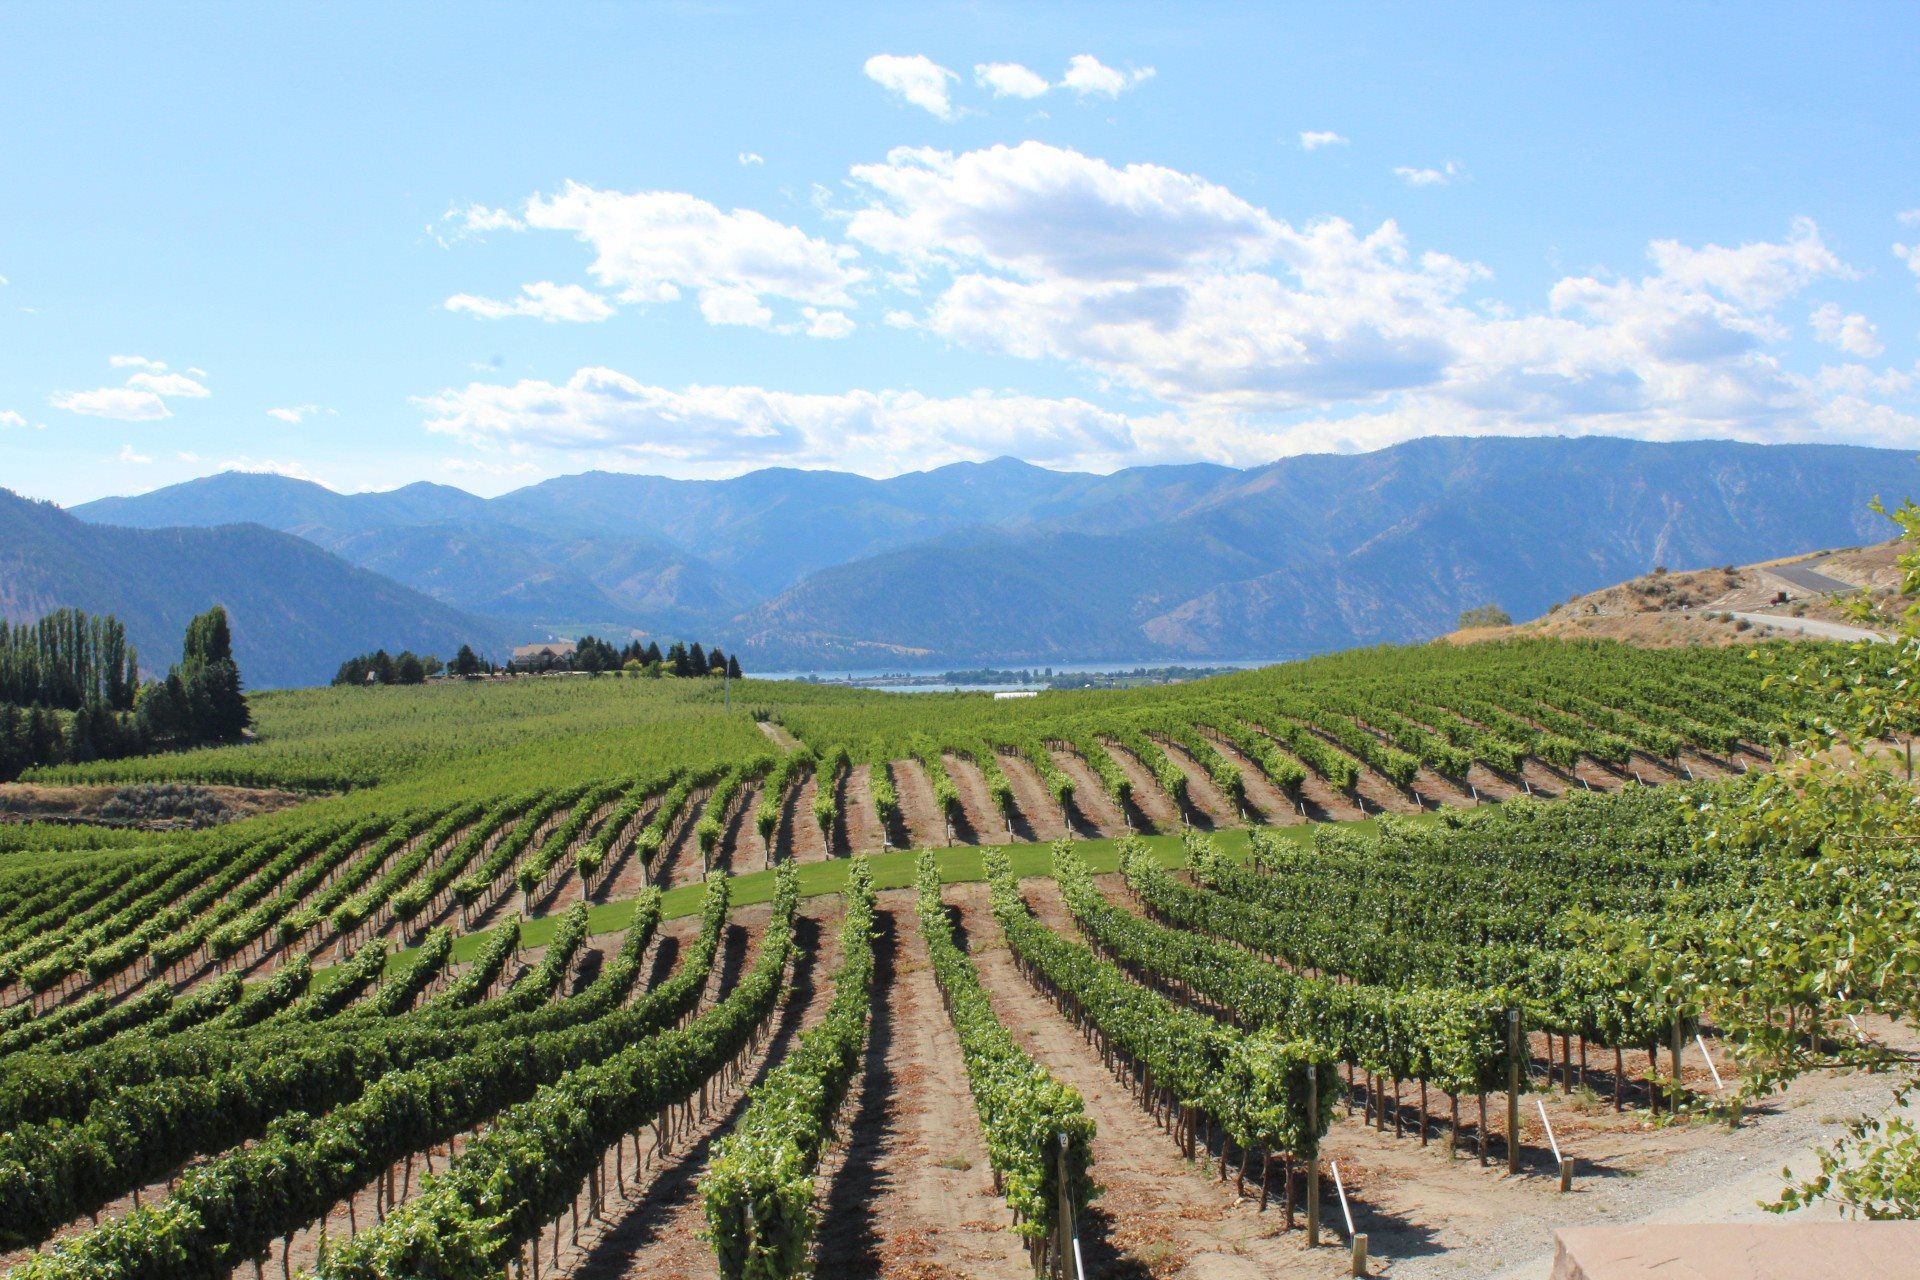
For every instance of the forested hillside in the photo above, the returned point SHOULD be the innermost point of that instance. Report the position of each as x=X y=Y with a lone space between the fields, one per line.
x=295 y=609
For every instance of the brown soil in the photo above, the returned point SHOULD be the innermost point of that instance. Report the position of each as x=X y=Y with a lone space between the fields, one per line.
x=629 y=874
x=910 y=1195
x=1495 y=788
x=798 y=835
x=509 y=897
x=981 y=823
x=1154 y=809
x=1266 y=803
x=925 y=828
x=567 y=890
x=141 y=805
x=1381 y=794
x=1036 y=816
x=1322 y=802
x=679 y=860
x=1207 y=802
x=1095 y=813
x=1157 y=1216
x=654 y=1230
x=859 y=825
x=1436 y=789
x=740 y=849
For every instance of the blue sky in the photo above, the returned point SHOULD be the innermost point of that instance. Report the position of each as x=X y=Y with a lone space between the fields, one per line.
x=486 y=244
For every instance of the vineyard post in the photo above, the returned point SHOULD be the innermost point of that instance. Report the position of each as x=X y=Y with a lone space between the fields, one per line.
x=1313 y=1161
x=1064 y=1215
x=1513 y=1090
x=1679 y=1085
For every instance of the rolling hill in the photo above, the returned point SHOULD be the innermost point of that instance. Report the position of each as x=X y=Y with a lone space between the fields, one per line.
x=296 y=609
x=1007 y=562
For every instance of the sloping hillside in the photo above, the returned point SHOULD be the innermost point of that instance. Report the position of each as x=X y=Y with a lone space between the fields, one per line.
x=1792 y=597
x=1008 y=562
x=296 y=610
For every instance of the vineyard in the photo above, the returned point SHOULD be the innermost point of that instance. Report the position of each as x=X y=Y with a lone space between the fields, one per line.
x=605 y=977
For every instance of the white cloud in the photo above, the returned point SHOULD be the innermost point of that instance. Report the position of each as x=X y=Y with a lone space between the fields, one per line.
x=1853 y=334
x=1036 y=209
x=826 y=324
x=122 y=403
x=296 y=413
x=918 y=80
x=129 y=455
x=142 y=399
x=1758 y=275
x=1087 y=75
x=650 y=246
x=1164 y=284
x=752 y=158
x=542 y=300
x=604 y=414
x=1314 y=139
x=735 y=304
x=1910 y=254
x=475 y=220
x=177 y=385
x=9 y=418
x=1009 y=80
x=1427 y=177
x=1909 y=218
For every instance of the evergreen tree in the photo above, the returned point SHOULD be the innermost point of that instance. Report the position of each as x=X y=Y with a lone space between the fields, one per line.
x=43 y=737
x=80 y=747
x=466 y=663
x=409 y=669
x=733 y=666
x=652 y=655
x=13 y=743
x=676 y=659
x=716 y=662
x=696 y=660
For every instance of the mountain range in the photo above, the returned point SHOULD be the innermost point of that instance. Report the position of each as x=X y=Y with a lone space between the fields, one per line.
x=295 y=609
x=1012 y=563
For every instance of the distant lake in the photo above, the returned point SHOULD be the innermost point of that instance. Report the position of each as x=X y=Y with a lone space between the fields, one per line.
x=865 y=677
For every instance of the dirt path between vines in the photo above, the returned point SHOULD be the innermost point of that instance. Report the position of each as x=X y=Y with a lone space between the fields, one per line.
x=1095 y=813
x=655 y=1229
x=982 y=823
x=629 y=873
x=909 y=1195
x=740 y=850
x=925 y=828
x=1153 y=807
x=1037 y=817
x=680 y=847
x=1204 y=797
x=798 y=835
x=1159 y=1216
x=1269 y=805
x=859 y=825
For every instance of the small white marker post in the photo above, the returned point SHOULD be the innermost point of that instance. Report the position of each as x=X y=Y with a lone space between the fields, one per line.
x=1719 y=1086
x=1565 y=1165
x=1359 y=1241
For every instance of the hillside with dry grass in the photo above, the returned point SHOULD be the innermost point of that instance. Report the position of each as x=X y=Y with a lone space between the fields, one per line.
x=1728 y=604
